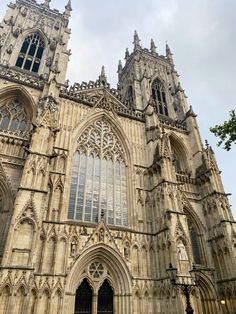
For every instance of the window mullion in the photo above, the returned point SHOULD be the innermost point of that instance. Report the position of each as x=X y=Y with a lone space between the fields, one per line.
x=84 y=192
x=93 y=180
x=77 y=188
x=114 y=191
x=121 y=205
x=27 y=53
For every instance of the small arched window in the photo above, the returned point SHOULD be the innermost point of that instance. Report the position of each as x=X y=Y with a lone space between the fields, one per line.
x=196 y=250
x=159 y=96
x=31 y=53
x=13 y=117
x=99 y=177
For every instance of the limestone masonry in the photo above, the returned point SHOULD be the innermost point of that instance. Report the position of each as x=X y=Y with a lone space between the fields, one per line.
x=102 y=188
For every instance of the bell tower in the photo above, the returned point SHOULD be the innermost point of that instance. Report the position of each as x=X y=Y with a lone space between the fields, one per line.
x=34 y=38
x=148 y=77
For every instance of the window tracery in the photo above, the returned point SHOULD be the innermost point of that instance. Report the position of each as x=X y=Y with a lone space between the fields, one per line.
x=31 y=53
x=99 y=177
x=159 y=96
x=13 y=117
x=194 y=242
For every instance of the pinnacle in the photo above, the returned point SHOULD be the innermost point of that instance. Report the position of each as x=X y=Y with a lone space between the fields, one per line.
x=136 y=40
x=102 y=76
x=46 y=3
x=69 y=6
x=153 y=46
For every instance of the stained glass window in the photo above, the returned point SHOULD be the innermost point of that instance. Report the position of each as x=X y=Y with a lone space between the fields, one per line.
x=159 y=96
x=13 y=117
x=99 y=177
x=195 y=242
x=31 y=53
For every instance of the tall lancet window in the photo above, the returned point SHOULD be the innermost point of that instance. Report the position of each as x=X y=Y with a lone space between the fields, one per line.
x=195 y=242
x=31 y=53
x=99 y=177
x=159 y=96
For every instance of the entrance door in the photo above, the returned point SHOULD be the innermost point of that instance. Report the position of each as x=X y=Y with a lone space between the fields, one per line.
x=84 y=296
x=105 y=299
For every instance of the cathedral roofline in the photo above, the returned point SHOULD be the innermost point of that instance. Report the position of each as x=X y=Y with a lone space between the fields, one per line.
x=42 y=8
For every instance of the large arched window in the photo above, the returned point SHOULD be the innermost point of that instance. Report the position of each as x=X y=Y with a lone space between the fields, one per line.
x=99 y=177
x=31 y=53
x=13 y=117
x=159 y=96
x=196 y=250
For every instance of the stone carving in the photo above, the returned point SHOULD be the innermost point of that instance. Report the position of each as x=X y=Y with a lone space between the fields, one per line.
x=53 y=44
x=181 y=250
x=10 y=49
x=73 y=248
x=17 y=32
x=49 y=62
x=47 y=103
x=23 y=11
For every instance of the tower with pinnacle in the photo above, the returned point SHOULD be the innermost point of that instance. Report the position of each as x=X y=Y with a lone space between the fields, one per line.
x=102 y=188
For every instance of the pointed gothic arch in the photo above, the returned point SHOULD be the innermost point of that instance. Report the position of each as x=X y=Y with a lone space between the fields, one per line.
x=117 y=274
x=196 y=231
x=159 y=96
x=180 y=156
x=23 y=96
x=6 y=207
x=31 y=50
x=101 y=162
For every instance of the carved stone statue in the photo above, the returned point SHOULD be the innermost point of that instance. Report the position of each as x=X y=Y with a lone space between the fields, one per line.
x=73 y=248
x=182 y=254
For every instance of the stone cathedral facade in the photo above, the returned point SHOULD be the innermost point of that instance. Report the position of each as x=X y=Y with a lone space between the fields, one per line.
x=102 y=188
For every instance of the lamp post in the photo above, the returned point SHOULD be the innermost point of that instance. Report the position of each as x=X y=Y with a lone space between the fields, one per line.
x=185 y=287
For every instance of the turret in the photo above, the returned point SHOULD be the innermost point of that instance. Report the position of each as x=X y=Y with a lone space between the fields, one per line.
x=68 y=9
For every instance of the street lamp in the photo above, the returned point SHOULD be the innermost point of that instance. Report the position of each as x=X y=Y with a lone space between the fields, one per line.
x=185 y=287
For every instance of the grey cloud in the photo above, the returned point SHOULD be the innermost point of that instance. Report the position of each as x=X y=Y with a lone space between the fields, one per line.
x=201 y=34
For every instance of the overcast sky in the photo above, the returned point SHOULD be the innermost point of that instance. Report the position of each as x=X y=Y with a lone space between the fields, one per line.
x=201 y=34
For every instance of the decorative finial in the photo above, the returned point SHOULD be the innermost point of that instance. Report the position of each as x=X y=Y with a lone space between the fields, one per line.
x=153 y=47
x=46 y=3
x=207 y=144
x=68 y=9
x=169 y=54
x=127 y=54
x=136 y=41
x=102 y=76
x=102 y=214
x=69 y=6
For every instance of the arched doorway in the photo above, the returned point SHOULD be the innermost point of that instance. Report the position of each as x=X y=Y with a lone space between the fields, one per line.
x=105 y=299
x=107 y=274
x=84 y=298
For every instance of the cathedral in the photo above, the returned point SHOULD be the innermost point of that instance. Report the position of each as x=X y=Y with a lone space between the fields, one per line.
x=110 y=203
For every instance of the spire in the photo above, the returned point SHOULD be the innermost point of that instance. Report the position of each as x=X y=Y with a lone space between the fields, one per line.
x=127 y=54
x=46 y=3
x=68 y=9
x=169 y=54
x=120 y=67
x=153 y=47
x=102 y=76
x=136 y=41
